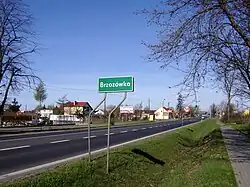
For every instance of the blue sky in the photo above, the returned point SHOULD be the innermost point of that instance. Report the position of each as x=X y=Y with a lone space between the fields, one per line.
x=82 y=40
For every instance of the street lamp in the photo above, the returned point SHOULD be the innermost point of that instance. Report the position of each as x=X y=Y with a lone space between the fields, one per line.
x=163 y=102
x=163 y=108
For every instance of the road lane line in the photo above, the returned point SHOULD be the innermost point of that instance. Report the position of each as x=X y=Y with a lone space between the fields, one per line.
x=109 y=134
x=77 y=157
x=86 y=137
x=60 y=133
x=135 y=130
x=11 y=148
x=150 y=127
x=59 y=141
x=123 y=131
x=143 y=128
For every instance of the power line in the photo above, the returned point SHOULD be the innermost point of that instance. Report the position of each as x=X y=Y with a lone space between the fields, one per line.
x=68 y=88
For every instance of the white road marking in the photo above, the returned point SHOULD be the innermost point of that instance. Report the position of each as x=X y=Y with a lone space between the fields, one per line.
x=60 y=141
x=156 y=126
x=135 y=130
x=50 y=164
x=84 y=132
x=109 y=134
x=86 y=137
x=11 y=148
x=150 y=127
x=143 y=128
x=123 y=131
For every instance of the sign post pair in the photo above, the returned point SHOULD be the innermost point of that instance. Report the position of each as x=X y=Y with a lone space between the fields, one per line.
x=111 y=85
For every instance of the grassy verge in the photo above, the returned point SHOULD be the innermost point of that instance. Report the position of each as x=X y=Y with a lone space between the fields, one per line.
x=192 y=156
x=242 y=128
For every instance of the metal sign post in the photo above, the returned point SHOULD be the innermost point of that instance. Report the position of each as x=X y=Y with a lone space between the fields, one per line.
x=108 y=138
x=106 y=85
x=89 y=121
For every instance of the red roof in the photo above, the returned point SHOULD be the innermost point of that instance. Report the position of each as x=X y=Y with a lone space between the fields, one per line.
x=167 y=108
x=76 y=104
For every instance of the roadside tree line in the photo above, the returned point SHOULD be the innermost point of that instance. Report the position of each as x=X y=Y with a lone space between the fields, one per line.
x=208 y=41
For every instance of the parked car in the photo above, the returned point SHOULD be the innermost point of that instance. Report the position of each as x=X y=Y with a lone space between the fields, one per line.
x=204 y=116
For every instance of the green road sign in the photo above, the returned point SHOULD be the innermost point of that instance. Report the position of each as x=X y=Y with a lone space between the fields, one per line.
x=116 y=84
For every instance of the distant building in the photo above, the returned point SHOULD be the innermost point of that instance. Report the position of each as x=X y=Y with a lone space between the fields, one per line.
x=72 y=108
x=147 y=113
x=163 y=113
x=46 y=112
x=6 y=107
x=99 y=112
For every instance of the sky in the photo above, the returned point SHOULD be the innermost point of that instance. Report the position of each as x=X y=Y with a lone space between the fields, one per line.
x=82 y=40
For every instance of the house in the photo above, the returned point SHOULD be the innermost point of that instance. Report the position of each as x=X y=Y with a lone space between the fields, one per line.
x=99 y=112
x=46 y=112
x=163 y=113
x=146 y=113
x=6 y=107
x=71 y=108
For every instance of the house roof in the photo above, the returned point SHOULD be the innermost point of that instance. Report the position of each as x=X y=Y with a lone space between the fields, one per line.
x=76 y=104
x=167 y=109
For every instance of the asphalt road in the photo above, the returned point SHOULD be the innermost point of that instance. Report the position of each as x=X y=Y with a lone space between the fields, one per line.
x=28 y=150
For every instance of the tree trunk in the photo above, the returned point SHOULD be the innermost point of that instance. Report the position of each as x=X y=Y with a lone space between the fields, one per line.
x=1 y=120
x=228 y=110
x=228 y=106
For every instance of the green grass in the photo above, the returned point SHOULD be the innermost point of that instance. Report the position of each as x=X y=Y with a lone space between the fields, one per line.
x=242 y=128
x=193 y=156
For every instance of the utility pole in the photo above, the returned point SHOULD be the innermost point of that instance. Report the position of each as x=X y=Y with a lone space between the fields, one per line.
x=105 y=108
x=163 y=108
x=149 y=103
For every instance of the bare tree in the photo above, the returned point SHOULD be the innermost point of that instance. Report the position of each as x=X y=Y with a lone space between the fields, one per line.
x=110 y=107
x=62 y=101
x=226 y=80
x=196 y=37
x=16 y=45
x=213 y=110
x=51 y=107
x=138 y=109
